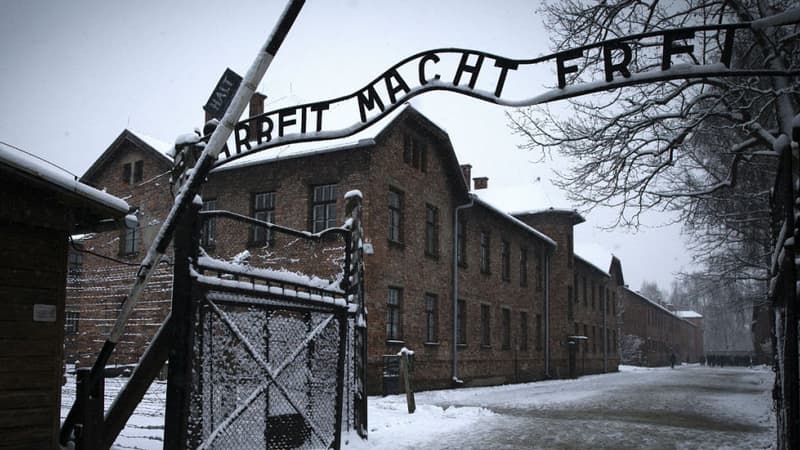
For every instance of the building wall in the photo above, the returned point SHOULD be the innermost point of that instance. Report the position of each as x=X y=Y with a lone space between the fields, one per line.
x=32 y=272
x=98 y=293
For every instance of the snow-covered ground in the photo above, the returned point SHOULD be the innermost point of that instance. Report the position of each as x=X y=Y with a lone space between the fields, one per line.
x=689 y=407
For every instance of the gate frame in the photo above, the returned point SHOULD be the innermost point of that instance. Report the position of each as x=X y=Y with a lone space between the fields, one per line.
x=185 y=304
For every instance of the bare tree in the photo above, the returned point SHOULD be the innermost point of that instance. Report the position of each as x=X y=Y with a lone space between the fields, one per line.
x=704 y=148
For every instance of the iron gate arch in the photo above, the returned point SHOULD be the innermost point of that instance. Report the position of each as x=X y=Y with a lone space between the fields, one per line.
x=267 y=359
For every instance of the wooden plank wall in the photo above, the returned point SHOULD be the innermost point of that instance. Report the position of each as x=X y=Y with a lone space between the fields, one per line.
x=33 y=264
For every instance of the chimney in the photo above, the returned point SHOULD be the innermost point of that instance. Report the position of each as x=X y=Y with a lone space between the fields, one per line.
x=466 y=170
x=256 y=108
x=481 y=182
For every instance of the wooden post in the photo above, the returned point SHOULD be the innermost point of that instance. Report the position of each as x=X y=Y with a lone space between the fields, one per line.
x=404 y=372
x=89 y=432
x=179 y=381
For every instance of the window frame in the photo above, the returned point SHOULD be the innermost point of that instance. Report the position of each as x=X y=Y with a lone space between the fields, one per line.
x=71 y=322
x=394 y=314
x=486 y=325
x=208 y=232
x=523 y=266
x=461 y=242
x=431 y=318
x=505 y=327
x=485 y=252
x=431 y=230
x=395 y=214
x=523 y=331
x=327 y=201
x=265 y=213
x=505 y=258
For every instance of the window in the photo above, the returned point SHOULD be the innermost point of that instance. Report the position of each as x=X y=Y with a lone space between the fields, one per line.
x=394 y=300
x=539 y=336
x=506 y=344
x=523 y=331
x=208 y=234
x=461 y=236
x=594 y=292
x=138 y=171
x=133 y=173
x=461 y=322
x=431 y=230
x=486 y=331
x=523 y=266
x=74 y=267
x=71 y=319
x=431 y=318
x=323 y=211
x=539 y=269
x=395 y=216
x=415 y=153
x=506 y=260
x=594 y=339
x=264 y=210
x=484 y=252
x=614 y=303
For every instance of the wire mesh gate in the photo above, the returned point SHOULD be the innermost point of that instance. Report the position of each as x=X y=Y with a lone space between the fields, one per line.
x=269 y=358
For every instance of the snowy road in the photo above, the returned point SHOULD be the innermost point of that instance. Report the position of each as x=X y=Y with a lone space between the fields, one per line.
x=690 y=407
x=687 y=408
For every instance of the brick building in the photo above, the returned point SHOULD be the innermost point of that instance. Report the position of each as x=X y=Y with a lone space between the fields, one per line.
x=519 y=296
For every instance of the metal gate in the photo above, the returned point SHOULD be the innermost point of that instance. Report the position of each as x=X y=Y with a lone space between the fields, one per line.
x=271 y=358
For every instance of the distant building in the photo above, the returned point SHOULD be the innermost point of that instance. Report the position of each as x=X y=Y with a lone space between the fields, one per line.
x=519 y=296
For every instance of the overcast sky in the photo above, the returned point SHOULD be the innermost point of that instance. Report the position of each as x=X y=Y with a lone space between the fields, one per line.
x=76 y=73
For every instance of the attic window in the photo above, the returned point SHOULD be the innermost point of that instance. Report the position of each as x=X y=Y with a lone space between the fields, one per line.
x=133 y=173
x=415 y=153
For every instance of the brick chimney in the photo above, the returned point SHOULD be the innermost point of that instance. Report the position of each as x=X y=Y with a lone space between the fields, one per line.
x=466 y=170
x=256 y=108
x=481 y=182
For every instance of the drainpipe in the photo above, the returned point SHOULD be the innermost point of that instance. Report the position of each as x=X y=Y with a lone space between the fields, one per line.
x=605 y=332
x=455 y=379
x=547 y=314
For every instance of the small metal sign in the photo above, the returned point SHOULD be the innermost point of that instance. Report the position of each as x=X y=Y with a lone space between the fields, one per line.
x=44 y=313
x=223 y=94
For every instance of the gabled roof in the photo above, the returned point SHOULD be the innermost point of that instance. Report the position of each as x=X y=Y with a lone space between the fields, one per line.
x=153 y=146
x=520 y=224
x=368 y=137
x=591 y=266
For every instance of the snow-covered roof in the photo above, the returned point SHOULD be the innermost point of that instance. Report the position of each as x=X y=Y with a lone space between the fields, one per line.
x=31 y=165
x=653 y=302
x=595 y=266
x=594 y=254
x=156 y=144
x=476 y=197
x=363 y=138
x=688 y=314
x=534 y=197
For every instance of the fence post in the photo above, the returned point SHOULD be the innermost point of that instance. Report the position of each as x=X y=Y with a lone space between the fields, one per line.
x=179 y=381
x=354 y=283
x=89 y=429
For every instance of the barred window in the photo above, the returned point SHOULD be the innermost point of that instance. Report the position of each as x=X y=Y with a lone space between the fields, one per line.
x=71 y=319
x=74 y=267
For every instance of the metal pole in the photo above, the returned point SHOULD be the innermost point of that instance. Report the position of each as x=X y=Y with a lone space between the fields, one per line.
x=189 y=189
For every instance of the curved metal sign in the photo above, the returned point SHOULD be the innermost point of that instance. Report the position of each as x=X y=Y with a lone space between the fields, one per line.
x=617 y=63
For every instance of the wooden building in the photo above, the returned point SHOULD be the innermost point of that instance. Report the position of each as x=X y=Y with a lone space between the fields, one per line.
x=41 y=207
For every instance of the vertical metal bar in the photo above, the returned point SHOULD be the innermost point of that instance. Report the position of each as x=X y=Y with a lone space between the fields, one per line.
x=90 y=434
x=337 y=429
x=181 y=355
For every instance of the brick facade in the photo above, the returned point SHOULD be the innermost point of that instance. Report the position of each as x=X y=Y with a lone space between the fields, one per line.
x=517 y=311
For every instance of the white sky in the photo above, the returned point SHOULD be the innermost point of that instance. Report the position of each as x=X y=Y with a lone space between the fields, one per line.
x=75 y=74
